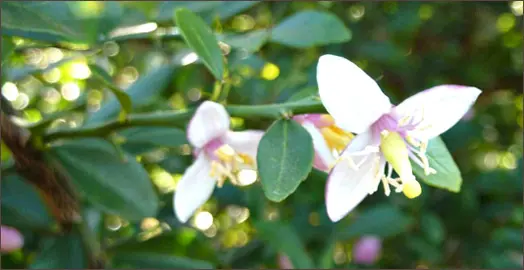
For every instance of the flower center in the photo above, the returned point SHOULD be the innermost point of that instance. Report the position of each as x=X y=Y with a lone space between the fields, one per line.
x=228 y=163
x=396 y=153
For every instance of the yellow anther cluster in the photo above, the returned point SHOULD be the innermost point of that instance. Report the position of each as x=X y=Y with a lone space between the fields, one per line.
x=229 y=165
x=336 y=138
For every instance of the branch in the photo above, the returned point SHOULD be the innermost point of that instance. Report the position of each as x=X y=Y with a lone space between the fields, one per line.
x=178 y=119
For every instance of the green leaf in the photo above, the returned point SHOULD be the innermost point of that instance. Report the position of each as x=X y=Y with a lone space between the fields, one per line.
x=159 y=261
x=122 y=97
x=382 y=221
x=141 y=93
x=251 y=41
x=310 y=28
x=61 y=252
x=153 y=137
x=22 y=206
x=7 y=48
x=448 y=175
x=284 y=158
x=199 y=37
x=113 y=183
x=208 y=10
x=285 y=239
x=27 y=20
x=60 y=21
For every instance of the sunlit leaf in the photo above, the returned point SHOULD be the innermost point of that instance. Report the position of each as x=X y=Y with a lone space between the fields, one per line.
x=199 y=37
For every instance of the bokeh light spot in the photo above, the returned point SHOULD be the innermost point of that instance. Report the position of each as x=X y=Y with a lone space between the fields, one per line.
x=247 y=177
x=21 y=101
x=425 y=12
x=505 y=22
x=70 y=91
x=80 y=71
x=10 y=91
x=203 y=220
x=270 y=71
x=243 y=23
x=516 y=7
x=52 y=76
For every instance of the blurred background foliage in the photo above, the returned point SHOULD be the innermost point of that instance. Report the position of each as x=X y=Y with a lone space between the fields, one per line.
x=52 y=50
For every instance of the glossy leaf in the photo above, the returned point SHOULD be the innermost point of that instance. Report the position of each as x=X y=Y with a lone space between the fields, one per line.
x=199 y=37
x=448 y=175
x=310 y=28
x=113 y=183
x=284 y=238
x=285 y=157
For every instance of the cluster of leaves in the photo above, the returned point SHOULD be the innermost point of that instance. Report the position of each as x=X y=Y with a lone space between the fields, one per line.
x=123 y=150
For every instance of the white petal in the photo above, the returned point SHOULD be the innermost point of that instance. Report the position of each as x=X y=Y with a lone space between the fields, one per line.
x=353 y=98
x=194 y=189
x=320 y=145
x=347 y=187
x=210 y=121
x=245 y=141
x=439 y=108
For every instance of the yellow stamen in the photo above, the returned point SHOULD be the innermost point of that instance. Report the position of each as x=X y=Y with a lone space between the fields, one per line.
x=336 y=138
x=225 y=153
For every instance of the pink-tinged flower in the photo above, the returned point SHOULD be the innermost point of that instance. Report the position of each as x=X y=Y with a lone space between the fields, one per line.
x=328 y=139
x=387 y=134
x=10 y=239
x=367 y=250
x=219 y=154
x=284 y=262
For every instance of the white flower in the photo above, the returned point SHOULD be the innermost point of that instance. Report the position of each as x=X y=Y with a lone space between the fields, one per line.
x=387 y=134
x=220 y=154
x=328 y=139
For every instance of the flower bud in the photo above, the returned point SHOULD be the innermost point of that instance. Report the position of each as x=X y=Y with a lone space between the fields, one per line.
x=367 y=250
x=10 y=239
